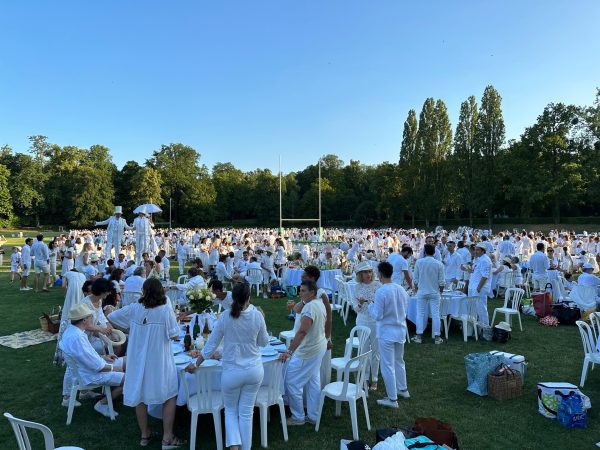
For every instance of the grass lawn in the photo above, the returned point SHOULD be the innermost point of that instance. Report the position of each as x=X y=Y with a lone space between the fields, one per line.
x=30 y=388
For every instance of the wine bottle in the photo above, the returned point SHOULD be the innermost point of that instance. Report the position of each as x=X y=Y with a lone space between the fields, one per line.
x=187 y=340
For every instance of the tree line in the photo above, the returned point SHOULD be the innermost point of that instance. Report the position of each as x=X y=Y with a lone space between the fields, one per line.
x=553 y=169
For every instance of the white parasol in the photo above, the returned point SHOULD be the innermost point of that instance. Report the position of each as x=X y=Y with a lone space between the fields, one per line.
x=150 y=208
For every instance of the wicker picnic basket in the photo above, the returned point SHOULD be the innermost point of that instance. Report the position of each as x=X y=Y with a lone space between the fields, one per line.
x=505 y=383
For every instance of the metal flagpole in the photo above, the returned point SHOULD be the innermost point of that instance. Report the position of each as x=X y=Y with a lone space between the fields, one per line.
x=280 y=206
x=320 y=228
x=170 y=201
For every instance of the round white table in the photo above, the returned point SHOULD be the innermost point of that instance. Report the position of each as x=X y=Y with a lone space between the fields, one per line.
x=455 y=305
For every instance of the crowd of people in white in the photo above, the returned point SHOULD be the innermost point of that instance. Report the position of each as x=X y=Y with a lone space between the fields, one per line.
x=97 y=266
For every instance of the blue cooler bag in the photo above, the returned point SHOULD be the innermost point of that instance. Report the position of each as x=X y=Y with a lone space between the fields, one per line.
x=571 y=413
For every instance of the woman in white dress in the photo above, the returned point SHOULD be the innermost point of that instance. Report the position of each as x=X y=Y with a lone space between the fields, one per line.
x=364 y=295
x=101 y=288
x=243 y=331
x=151 y=375
x=53 y=254
x=82 y=259
x=72 y=284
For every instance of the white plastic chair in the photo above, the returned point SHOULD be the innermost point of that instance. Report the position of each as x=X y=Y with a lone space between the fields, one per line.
x=357 y=340
x=514 y=296
x=527 y=283
x=270 y=395
x=595 y=324
x=590 y=352
x=206 y=400
x=78 y=385
x=129 y=297
x=469 y=317
x=444 y=305
x=335 y=305
x=344 y=391
x=20 y=426
x=254 y=277
x=287 y=337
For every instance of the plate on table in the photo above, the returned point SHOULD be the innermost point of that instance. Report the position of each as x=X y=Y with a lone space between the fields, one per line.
x=268 y=351
x=182 y=359
x=209 y=362
x=176 y=348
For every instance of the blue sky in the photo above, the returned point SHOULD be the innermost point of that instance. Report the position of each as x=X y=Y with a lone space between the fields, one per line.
x=245 y=81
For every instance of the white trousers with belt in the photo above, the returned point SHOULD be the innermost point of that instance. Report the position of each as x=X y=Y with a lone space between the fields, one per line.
x=239 y=387
x=433 y=301
x=393 y=369
x=301 y=373
x=482 y=311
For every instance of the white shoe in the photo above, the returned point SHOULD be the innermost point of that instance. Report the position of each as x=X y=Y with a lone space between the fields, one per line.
x=87 y=395
x=28 y=289
x=404 y=394
x=65 y=403
x=416 y=339
x=103 y=409
x=387 y=403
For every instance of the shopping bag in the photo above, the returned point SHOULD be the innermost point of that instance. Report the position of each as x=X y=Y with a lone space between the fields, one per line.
x=571 y=413
x=478 y=366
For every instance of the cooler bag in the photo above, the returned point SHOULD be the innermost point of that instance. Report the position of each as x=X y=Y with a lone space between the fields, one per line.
x=550 y=395
x=571 y=412
x=516 y=362
x=478 y=366
x=542 y=301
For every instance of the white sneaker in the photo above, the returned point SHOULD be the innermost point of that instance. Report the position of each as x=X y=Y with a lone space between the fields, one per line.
x=103 y=409
x=416 y=339
x=387 y=403
x=404 y=394
x=28 y=289
x=65 y=403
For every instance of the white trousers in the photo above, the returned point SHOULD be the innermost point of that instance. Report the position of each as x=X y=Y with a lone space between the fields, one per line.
x=482 y=311
x=539 y=284
x=181 y=266
x=326 y=369
x=240 y=387
x=393 y=369
x=301 y=373
x=433 y=300
x=373 y=344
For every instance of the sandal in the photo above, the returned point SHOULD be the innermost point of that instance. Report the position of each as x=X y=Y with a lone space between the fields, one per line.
x=174 y=443
x=145 y=441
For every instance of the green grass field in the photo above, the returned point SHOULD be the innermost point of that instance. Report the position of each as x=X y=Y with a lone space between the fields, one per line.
x=30 y=388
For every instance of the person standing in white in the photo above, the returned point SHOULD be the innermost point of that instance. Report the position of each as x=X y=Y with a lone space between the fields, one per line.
x=481 y=282
x=243 y=331
x=539 y=264
x=143 y=234
x=452 y=263
x=429 y=281
x=389 y=312
x=506 y=248
x=305 y=353
x=115 y=231
x=41 y=254
x=181 y=252
x=25 y=264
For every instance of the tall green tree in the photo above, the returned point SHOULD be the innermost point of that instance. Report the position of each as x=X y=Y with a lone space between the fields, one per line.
x=408 y=163
x=6 y=209
x=427 y=138
x=146 y=187
x=489 y=139
x=465 y=160
x=442 y=188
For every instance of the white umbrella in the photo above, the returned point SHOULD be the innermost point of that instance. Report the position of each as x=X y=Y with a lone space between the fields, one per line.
x=150 y=208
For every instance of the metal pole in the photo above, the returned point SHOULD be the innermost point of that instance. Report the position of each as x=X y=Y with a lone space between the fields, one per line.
x=170 y=201
x=280 y=207
x=319 y=198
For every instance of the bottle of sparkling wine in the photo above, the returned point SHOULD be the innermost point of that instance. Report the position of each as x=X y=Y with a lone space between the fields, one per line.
x=187 y=340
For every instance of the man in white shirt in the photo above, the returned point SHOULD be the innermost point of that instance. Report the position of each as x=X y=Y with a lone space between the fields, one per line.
x=92 y=368
x=115 y=231
x=41 y=263
x=429 y=282
x=539 y=264
x=587 y=278
x=480 y=283
x=452 y=262
x=195 y=281
x=389 y=312
x=166 y=264
x=121 y=263
x=506 y=248
x=430 y=240
x=401 y=273
x=25 y=264
x=181 y=252
x=224 y=298
x=134 y=283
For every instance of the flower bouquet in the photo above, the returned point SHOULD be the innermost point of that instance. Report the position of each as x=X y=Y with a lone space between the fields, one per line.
x=200 y=300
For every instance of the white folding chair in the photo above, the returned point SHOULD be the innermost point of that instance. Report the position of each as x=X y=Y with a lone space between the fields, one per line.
x=255 y=278
x=444 y=305
x=512 y=302
x=129 y=297
x=527 y=283
x=271 y=395
x=79 y=385
x=20 y=426
x=358 y=338
x=595 y=324
x=344 y=391
x=590 y=352
x=206 y=400
x=469 y=317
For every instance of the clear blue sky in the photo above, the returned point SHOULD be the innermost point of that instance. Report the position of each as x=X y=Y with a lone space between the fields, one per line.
x=245 y=81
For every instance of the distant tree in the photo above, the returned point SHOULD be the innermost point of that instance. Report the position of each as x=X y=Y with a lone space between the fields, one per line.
x=427 y=138
x=6 y=209
x=146 y=187
x=408 y=163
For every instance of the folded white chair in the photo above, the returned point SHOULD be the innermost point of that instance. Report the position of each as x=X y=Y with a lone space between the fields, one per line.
x=271 y=395
x=20 y=426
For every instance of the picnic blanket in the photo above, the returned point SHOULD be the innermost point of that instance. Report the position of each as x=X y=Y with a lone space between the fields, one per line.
x=27 y=338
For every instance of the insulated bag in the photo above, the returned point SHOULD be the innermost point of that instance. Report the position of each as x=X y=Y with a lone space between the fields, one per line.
x=516 y=362
x=565 y=314
x=478 y=366
x=550 y=395
x=542 y=301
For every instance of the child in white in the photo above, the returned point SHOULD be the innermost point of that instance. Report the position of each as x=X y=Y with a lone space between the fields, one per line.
x=15 y=260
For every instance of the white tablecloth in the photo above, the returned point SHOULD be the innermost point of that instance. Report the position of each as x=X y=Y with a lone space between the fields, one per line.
x=327 y=280
x=156 y=410
x=456 y=306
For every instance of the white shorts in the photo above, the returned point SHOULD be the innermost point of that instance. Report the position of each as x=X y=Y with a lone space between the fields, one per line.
x=25 y=271
x=14 y=267
x=41 y=266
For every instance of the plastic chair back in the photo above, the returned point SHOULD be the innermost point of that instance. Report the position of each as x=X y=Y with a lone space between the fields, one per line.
x=513 y=297
x=203 y=377
x=362 y=359
x=74 y=368
x=587 y=338
x=129 y=297
x=254 y=276
x=595 y=325
x=472 y=308
x=274 y=369
x=20 y=426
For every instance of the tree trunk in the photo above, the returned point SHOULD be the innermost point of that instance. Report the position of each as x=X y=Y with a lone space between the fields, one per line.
x=426 y=222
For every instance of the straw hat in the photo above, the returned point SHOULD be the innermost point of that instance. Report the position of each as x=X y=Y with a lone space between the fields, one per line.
x=117 y=337
x=503 y=326
x=94 y=258
x=80 y=311
x=507 y=260
x=363 y=266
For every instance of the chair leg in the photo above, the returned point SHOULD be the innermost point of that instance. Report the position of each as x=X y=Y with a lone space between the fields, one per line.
x=193 y=428
x=283 y=422
x=263 y=425
x=108 y=394
x=72 y=400
x=218 y=432
x=321 y=402
x=364 y=399
x=465 y=326
x=493 y=318
x=353 y=418
x=520 y=324
x=586 y=363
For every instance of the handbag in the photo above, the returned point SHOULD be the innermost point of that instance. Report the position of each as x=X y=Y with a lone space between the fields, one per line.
x=439 y=432
x=505 y=383
x=51 y=322
x=422 y=442
x=565 y=314
x=478 y=366
x=571 y=412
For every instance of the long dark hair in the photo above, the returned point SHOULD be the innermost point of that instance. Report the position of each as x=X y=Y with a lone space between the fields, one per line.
x=240 y=294
x=153 y=294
